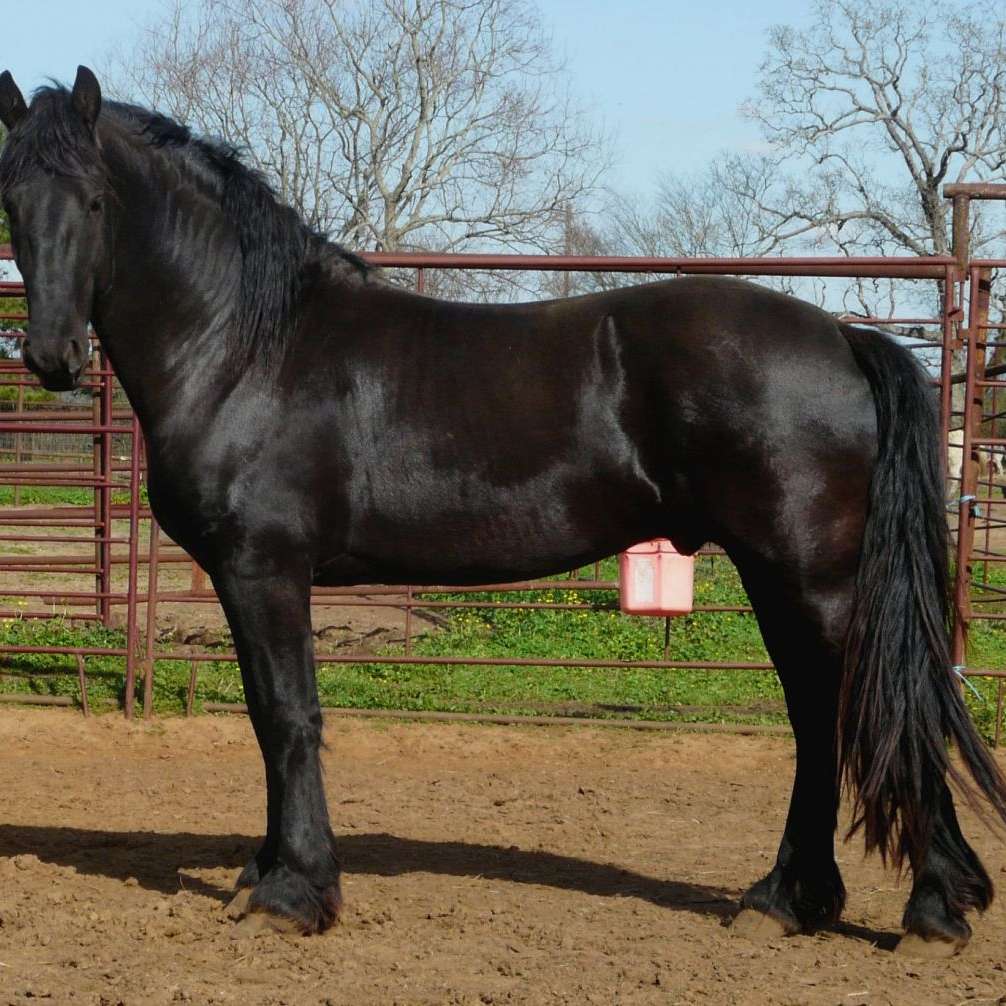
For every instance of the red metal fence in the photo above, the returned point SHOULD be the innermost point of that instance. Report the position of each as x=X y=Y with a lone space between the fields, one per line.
x=124 y=572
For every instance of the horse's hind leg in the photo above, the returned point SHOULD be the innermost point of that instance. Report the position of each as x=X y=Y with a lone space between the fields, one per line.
x=948 y=882
x=804 y=608
x=803 y=620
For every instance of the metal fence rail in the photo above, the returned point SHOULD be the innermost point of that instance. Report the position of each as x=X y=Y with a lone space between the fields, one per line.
x=92 y=443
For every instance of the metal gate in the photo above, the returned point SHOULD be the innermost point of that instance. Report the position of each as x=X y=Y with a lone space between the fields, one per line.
x=94 y=444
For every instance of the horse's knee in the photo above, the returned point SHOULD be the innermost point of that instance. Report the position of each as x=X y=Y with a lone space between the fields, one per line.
x=294 y=729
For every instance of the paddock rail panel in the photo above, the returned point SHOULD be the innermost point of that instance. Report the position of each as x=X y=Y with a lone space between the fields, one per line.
x=78 y=541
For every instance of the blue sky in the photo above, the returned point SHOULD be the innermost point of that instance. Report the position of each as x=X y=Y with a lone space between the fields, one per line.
x=666 y=76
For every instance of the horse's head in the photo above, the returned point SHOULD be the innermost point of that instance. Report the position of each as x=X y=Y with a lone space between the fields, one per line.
x=53 y=189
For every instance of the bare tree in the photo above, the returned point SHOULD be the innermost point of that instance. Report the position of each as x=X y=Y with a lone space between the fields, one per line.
x=874 y=107
x=866 y=113
x=391 y=124
x=715 y=212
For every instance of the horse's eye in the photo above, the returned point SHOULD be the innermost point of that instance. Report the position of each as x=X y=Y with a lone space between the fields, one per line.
x=96 y=204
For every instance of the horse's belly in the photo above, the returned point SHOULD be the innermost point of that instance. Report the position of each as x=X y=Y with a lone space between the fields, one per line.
x=464 y=530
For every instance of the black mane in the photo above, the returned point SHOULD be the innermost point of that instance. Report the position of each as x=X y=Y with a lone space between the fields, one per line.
x=276 y=244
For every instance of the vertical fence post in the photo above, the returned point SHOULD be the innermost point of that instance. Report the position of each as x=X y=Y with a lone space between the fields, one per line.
x=82 y=683
x=999 y=713
x=974 y=367
x=134 y=544
x=153 y=558
x=96 y=449
x=961 y=236
x=951 y=318
x=190 y=696
x=409 y=601
x=103 y=522
x=18 y=455
x=989 y=481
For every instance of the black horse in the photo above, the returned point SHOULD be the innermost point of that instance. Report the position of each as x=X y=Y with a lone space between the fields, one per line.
x=308 y=422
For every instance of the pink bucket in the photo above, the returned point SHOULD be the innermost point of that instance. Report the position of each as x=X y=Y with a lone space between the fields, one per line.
x=655 y=579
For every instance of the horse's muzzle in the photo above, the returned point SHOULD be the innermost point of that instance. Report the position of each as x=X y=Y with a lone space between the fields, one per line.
x=59 y=369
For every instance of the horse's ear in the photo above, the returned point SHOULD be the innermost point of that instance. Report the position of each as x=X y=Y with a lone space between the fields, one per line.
x=86 y=97
x=12 y=106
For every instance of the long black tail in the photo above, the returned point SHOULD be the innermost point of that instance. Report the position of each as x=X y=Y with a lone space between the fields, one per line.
x=901 y=702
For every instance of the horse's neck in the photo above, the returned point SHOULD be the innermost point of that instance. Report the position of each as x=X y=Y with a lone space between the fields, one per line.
x=163 y=321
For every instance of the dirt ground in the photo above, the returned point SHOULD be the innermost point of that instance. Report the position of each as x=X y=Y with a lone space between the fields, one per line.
x=483 y=865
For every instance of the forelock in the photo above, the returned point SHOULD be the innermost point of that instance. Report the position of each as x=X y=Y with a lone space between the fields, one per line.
x=51 y=139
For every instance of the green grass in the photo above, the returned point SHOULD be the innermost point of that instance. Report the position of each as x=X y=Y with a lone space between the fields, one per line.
x=60 y=496
x=46 y=496
x=54 y=674
x=987 y=650
x=600 y=633
x=29 y=395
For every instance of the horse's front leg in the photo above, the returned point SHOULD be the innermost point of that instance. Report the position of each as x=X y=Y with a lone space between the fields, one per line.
x=294 y=879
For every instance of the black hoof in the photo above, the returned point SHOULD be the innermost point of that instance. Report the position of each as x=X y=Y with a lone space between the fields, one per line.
x=931 y=927
x=286 y=895
x=798 y=904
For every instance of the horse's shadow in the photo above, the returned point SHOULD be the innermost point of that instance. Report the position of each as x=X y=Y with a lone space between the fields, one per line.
x=161 y=862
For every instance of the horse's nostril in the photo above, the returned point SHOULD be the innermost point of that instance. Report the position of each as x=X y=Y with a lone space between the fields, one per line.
x=73 y=357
